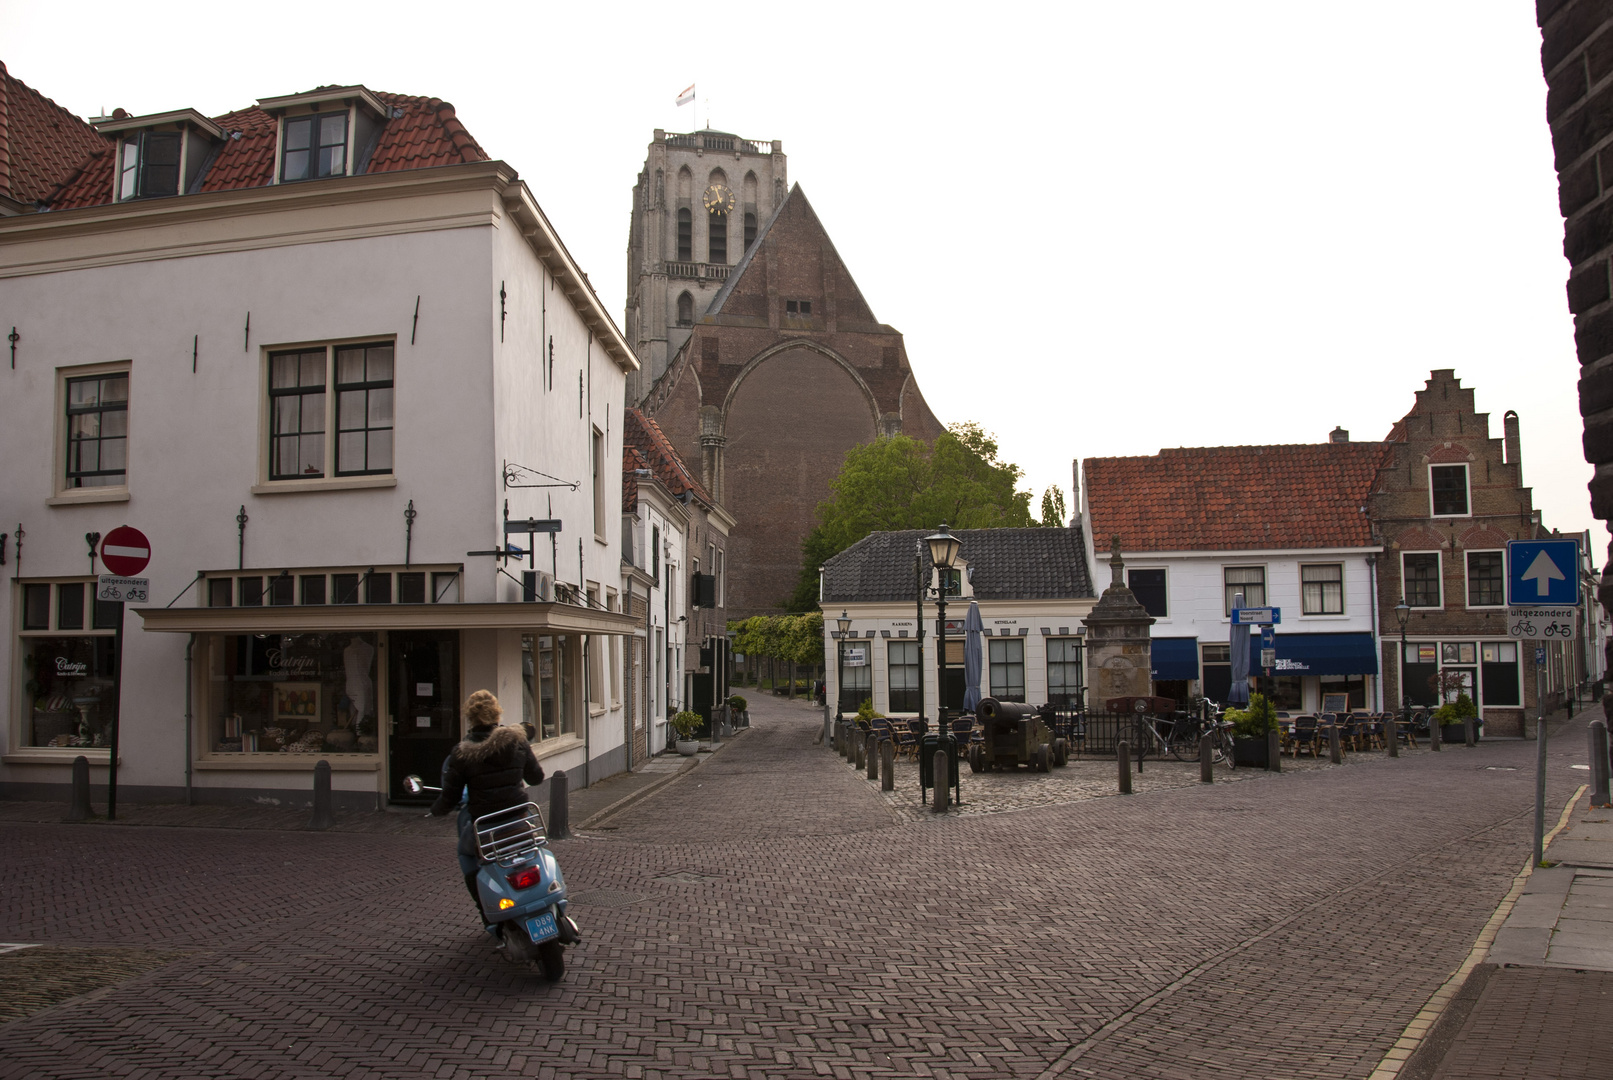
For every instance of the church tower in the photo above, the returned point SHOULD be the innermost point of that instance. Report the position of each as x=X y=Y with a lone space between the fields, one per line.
x=697 y=208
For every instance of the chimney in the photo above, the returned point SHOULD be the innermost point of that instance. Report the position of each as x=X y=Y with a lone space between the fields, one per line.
x=1075 y=488
x=1338 y=434
x=1509 y=430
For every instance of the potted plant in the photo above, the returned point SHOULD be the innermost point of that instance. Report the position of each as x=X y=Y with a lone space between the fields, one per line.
x=1250 y=727
x=1451 y=715
x=739 y=708
x=685 y=724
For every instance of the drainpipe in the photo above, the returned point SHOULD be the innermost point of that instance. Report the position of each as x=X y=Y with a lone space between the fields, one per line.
x=649 y=671
x=190 y=646
x=1377 y=642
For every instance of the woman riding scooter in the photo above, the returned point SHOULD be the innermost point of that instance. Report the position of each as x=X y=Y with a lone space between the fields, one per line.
x=496 y=763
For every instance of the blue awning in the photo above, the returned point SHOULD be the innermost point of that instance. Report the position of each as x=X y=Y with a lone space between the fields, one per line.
x=1174 y=658
x=1326 y=654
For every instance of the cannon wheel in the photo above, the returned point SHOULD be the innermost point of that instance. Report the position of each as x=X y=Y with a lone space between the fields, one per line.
x=975 y=759
x=1061 y=752
x=1043 y=754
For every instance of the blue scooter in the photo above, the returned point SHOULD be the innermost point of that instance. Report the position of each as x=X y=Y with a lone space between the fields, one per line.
x=522 y=892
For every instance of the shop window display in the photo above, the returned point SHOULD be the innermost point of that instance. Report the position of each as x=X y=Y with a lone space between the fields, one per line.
x=292 y=693
x=67 y=668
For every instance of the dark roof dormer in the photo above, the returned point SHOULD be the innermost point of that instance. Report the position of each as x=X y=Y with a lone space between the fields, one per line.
x=331 y=131
x=162 y=154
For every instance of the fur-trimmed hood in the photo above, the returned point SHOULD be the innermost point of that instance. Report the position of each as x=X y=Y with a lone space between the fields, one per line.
x=478 y=747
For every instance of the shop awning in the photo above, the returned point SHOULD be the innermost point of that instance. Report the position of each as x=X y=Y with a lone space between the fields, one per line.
x=296 y=618
x=1174 y=658
x=1326 y=654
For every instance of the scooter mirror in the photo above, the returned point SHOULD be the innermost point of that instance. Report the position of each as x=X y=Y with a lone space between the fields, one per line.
x=414 y=785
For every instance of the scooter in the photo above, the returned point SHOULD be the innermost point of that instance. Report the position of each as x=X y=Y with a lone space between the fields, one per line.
x=522 y=892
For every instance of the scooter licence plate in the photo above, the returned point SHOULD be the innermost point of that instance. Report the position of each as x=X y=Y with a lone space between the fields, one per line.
x=541 y=928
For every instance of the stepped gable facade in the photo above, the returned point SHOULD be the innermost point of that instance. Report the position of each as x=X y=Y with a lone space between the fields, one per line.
x=786 y=371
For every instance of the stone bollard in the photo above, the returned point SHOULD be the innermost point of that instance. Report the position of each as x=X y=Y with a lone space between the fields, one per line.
x=1391 y=732
x=873 y=755
x=1123 y=757
x=1274 y=751
x=859 y=752
x=323 y=819
x=943 y=793
x=80 y=810
x=849 y=740
x=559 y=805
x=1468 y=732
x=1206 y=760
x=1433 y=732
x=1335 y=749
x=887 y=766
x=1601 y=795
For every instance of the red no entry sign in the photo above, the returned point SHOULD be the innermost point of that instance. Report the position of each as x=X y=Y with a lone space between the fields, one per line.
x=125 y=551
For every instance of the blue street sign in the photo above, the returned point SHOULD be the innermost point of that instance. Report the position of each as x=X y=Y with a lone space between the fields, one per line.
x=1542 y=572
x=1540 y=656
x=1256 y=616
x=1268 y=637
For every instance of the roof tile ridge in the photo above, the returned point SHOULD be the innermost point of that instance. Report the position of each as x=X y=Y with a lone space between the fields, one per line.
x=5 y=130
x=73 y=177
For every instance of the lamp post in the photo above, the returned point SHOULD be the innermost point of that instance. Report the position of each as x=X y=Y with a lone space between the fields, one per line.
x=943 y=553
x=844 y=625
x=1403 y=613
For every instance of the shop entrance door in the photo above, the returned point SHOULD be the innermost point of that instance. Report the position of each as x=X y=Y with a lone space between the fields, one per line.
x=424 y=705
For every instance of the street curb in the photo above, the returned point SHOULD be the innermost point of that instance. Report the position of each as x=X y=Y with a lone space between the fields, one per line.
x=651 y=788
x=1423 y=1025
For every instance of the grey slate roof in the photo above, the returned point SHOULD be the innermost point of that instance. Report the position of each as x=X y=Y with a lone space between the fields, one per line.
x=1007 y=564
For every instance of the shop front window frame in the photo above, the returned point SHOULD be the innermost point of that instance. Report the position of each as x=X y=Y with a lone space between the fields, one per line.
x=96 y=620
x=275 y=731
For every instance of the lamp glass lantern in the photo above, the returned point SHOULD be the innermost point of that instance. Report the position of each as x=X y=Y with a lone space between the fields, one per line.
x=943 y=554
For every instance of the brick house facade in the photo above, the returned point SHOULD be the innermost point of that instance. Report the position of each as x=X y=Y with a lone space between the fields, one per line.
x=1447 y=499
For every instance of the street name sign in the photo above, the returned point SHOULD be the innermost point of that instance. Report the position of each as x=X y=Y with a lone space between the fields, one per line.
x=532 y=525
x=131 y=590
x=1542 y=572
x=1543 y=623
x=1256 y=616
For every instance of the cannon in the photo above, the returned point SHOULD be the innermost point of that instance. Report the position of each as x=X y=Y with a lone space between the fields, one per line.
x=1013 y=734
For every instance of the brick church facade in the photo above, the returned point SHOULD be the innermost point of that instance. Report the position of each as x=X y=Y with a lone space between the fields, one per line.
x=780 y=375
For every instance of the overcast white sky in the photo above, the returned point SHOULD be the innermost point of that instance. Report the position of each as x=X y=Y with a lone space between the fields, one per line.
x=1103 y=228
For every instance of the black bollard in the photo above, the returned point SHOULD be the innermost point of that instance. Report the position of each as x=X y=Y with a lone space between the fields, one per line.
x=1467 y=731
x=1601 y=795
x=887 y=765
x=559 y=805
x=322 y=813
x=943 y=793
x=80 y=810
x=1206 y=760
x=1335 y=750
x=859 y=751
x=1433 y=732
x=1274 y=751
x=873 y=755
x=1391 y=731
x=1123 y=756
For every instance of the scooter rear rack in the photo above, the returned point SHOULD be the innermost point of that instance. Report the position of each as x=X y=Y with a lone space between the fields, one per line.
x=508 y=836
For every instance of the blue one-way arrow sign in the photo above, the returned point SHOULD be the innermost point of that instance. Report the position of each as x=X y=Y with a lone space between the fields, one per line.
x=1542 y=572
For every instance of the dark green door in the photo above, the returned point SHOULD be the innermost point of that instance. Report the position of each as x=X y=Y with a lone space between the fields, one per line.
x=424 y=702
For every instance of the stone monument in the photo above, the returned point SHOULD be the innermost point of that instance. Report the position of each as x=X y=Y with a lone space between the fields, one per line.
x=1118 y=654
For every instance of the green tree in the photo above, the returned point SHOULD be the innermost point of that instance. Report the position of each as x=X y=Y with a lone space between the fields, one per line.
x=901 y=483
x=1053 y=513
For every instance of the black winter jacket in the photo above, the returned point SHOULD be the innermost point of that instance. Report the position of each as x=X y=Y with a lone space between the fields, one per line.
x=496 y=763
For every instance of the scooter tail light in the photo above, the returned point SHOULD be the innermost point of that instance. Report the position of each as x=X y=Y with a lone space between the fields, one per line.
x=525 y=878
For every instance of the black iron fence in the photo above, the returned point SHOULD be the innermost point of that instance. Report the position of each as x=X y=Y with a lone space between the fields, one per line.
x=1094 y=734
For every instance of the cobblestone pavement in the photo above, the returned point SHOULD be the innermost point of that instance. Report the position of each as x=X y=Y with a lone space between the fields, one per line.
x=771 y=914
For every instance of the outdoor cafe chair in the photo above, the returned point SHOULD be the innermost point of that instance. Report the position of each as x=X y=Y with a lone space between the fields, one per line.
x=963 y=729
x=1304 y=734
x=904 y=740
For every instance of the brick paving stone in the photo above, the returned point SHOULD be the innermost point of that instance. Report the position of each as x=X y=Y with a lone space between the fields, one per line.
x=771 y=914
x=1536 y=1022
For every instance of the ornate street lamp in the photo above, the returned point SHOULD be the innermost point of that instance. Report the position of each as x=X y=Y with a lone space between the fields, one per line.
x=943 y=553
x=1402 y=613
x=844 y=625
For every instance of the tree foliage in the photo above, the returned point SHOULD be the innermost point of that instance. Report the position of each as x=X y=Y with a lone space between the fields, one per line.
x=1053 y=512
x=793 y=638
x=901 y=483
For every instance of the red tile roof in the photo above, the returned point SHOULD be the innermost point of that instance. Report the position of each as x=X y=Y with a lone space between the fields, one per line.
x=41 y=143
x=645 y=435
x=632 y=461
x=1231 y=498
x=425 y=135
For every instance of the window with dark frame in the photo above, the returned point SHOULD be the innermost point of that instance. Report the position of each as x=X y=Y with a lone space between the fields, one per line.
x=1007 y=668
x=1447 y=484
x=364 y=410
x=1321 y=589
x=344 y=588
x=97 y=430
x=220 y=592
x=249 y=592
x=297 y=415
x=148 y=165
x=69 y=665
x=411 y=588
x=903 y=657
x=951 y=581
x=1064 y=678
x=282 y=590
x=377 y=588
x=1249 y=580
x=717 y=237
x=798 y=307
x=1148 y=586
x=1420 y=576
x=314 y=147
x=313 y=589
x=685 y=236
x=1486 y=579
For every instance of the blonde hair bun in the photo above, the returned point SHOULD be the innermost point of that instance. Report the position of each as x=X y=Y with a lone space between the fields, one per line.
x=482 y=709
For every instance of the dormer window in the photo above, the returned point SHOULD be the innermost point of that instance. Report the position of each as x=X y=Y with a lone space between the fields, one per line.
x=315 y=147
x=148 y=165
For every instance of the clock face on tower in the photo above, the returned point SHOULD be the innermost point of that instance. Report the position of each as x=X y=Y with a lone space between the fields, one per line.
x=718 y=199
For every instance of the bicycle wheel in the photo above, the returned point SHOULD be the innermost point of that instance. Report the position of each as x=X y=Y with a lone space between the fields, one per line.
x=1221 y=746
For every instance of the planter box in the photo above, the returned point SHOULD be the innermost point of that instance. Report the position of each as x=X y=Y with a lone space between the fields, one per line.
x=1250 y=752
x=1456 y=733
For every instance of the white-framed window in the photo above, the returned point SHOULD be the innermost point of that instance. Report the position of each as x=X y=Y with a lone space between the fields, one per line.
x=92 y=443
x=1148 y=585
x=597 y=463
x=1249 y=580
x=1448 y=491
x=1420 y=579
x=1007 y=663
x=1486 y=579
x=66 y=642
x=312 y=391
x=548 y=687
x=1321 y=588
